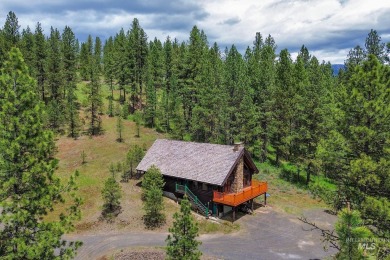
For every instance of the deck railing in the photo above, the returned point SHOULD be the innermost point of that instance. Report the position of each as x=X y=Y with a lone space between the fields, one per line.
x=234 y=199
x=193 y=198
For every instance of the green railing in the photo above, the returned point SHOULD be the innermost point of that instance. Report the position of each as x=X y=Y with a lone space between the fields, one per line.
x=184 y=189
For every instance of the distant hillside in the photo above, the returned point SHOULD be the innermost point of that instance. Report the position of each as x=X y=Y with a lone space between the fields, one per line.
x=336 y=68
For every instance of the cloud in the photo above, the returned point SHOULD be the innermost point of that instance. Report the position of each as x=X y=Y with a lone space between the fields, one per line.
x=231 y=21
x=327 y=28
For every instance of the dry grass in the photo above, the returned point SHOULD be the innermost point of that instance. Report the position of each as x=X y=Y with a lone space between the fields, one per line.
x=144 y=253
x=100 y=152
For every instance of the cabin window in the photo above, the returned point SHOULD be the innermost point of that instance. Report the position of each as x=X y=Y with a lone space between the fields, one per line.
x=247 y=178
x=196 y=185
x=204 y=186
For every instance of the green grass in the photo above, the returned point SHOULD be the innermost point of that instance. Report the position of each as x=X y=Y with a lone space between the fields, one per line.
x=207 y=227
x=290 y=197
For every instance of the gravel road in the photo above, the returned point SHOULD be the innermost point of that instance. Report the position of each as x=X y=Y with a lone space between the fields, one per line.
x=265 y=235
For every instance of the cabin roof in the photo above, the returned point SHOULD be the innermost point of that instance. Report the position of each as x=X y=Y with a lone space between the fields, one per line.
x=203 y=162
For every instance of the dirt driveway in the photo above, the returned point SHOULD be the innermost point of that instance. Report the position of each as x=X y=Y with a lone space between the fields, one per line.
x=268 y=234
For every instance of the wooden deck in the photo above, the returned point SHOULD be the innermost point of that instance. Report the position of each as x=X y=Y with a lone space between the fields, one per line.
x=234 y=199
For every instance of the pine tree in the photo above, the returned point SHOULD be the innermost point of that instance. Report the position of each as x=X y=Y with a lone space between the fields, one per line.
x=189 y=81
x=11 y=31
x=152 y=178
x=86 y=59
x=109 y=64
x=69 y=54
x=84 y=56
x=283 y=106
x=235 y=88
x=156 y=82
x=3 y=53
x=265 y=95
x=94 y=100
x=55 y=81
x=29 y=189
x=26 y=47
x=110 y=110
x=182 y=244
x=152 y=192
x=111 y=194
x=40 y=54
x=138 y=53
x=73 y=117
x=137 y=120
x=298 y=136
x=97 y=54
x=121 y=65
x=350 y=231
x=133 y=157
x=374 y=46
x=362 y=132
x=94 y=93
x=205 y=116
x=119 y=128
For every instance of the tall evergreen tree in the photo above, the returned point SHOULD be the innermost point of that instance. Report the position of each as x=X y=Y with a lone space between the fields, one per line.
x=206 y=125
x=138 y=53
x=122 y=70
x=235 y=88
x=26 y=47
x=152 y=186
x=95 y=102
x=29 y=189
x=119 y=128
x=182 y=244
x=69 y=55
x=109 y=64
x=155 y=83
x=261 y=73
x=55 y=81
x=40 y=55
x=73 y=117
x=189 y=82
x=86 y=56
x=374 y=46
x=98 y=55
x=11 y=31
x=362 y=129
x=283 y=105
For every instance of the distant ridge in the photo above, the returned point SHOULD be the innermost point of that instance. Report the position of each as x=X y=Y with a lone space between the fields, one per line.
x=336 y=68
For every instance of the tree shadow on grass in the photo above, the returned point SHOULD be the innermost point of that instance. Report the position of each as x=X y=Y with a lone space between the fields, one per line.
x=110 y=215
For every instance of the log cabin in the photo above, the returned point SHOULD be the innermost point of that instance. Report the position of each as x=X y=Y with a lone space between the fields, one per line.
x=216 y=178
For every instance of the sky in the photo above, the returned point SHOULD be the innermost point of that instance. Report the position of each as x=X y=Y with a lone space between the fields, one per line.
x=328 y=28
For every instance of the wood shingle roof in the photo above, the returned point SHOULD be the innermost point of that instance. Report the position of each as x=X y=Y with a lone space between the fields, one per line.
x=203 y=162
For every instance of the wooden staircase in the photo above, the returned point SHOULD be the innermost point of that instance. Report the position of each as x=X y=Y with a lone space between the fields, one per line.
x=183 y=189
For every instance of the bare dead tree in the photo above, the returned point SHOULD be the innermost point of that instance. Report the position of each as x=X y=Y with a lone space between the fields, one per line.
x=329 y=238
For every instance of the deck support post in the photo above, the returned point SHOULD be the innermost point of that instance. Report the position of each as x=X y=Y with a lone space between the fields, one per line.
x=234 y=213
x=252 y=205
x=265 y=198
